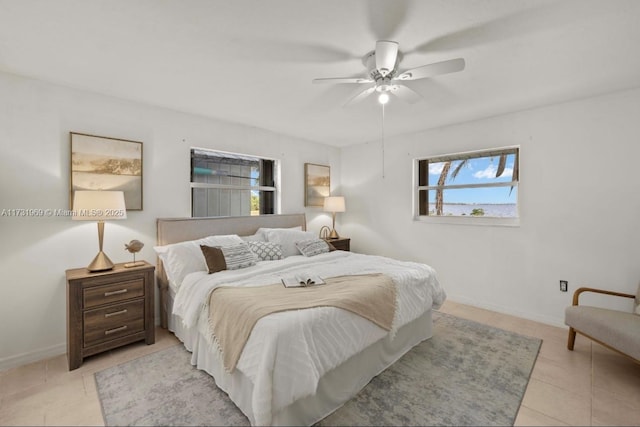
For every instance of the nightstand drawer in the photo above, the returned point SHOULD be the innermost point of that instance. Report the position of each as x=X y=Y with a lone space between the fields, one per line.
x=112 y=322
x=114 y=292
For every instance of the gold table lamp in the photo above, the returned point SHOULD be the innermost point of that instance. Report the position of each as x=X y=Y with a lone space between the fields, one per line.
x=334 y=204
x=99 y=206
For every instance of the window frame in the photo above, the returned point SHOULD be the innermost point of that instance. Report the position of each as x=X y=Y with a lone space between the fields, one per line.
x=275 y=172
x=418 y=198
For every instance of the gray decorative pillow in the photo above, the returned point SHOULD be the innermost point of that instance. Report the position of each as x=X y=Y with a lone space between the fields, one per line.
x=312 y=247
x=266 y=251
x=238 y=256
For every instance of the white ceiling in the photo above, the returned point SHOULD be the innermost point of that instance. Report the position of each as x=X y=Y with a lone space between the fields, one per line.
x=252 y=61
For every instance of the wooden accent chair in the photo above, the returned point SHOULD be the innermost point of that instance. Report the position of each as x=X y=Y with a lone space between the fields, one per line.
x=615 y=329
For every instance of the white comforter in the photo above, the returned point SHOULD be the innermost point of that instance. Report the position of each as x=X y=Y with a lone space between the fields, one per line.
x=288 y=352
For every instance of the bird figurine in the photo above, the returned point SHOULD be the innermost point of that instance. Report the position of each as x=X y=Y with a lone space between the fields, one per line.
x=133 y=247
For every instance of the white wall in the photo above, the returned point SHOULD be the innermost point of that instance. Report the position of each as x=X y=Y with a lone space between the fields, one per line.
x=579 y=202
x=35 y=121
x=579 y=198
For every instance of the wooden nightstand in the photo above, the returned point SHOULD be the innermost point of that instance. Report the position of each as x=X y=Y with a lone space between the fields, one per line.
x=108 y=309
x=341 y=243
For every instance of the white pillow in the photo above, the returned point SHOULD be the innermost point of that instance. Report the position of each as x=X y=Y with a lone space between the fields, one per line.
x=180 y=259
x=260 y=234
x=287 y=239
x=254 y=238
x=262 y=231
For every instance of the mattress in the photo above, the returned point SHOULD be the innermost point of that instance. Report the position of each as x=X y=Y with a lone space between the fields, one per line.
x=294 y=368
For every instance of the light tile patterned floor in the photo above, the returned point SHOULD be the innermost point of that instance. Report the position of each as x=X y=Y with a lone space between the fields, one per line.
x=589 y=386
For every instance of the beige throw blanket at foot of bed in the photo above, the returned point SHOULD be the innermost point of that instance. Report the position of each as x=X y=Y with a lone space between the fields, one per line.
x=233 y=311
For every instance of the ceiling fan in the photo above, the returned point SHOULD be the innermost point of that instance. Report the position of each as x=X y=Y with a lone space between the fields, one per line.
x=384 y=77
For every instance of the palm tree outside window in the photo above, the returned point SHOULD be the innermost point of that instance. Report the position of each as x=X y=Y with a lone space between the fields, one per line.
x=473 y=184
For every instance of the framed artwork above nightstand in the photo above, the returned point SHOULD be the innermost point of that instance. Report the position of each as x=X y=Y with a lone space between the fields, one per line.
x=341 y=243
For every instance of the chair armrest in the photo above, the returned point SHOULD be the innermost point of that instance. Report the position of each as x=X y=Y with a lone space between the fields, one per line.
x=578 y=291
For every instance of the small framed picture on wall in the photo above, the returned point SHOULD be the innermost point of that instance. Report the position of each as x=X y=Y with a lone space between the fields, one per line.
x=317 y=184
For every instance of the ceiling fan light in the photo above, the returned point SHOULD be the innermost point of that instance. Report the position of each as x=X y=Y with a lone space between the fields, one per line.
x=383 y=98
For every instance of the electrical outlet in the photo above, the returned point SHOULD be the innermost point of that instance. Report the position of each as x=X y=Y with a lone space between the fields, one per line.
x=563 y=285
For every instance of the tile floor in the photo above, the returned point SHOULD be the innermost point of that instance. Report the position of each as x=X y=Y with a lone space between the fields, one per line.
x=589 y=386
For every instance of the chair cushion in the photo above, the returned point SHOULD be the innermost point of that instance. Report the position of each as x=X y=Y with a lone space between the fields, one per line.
x=618 y=329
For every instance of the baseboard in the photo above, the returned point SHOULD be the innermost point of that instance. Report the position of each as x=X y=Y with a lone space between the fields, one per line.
x=32 y=356
x=552 y=321
x=43 y=353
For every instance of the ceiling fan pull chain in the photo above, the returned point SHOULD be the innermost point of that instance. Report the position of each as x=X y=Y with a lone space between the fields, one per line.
x=382 y=141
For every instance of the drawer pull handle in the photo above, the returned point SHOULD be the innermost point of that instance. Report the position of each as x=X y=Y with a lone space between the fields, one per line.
x=114 y=330
x=120 y=291
x=116 y=313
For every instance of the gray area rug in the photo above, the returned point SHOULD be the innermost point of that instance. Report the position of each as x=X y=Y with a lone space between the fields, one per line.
x=467 y=374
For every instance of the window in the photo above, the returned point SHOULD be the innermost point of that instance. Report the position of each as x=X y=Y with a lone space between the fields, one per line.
x=476 y=184
x=226 y=184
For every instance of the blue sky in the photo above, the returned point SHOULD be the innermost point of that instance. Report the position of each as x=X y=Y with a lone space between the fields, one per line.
x=476 y=171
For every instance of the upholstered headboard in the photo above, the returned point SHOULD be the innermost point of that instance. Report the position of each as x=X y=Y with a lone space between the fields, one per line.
x=174 y=230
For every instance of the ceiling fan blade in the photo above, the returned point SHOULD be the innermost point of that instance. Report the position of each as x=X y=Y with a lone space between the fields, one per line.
x=291 y=51
x=444 y=67
x=360 y=95
x=358 y=80
x=406 y=94
x=386 y=17
x=539 y=18
x=386 y=55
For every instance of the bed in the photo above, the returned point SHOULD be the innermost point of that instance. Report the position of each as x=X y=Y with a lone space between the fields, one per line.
x=297 y=366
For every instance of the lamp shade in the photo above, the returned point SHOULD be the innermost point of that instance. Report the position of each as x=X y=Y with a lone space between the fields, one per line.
x=98 y=205
x=334 y=204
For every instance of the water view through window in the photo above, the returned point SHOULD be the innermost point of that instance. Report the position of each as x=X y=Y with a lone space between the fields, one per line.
x=470 y=184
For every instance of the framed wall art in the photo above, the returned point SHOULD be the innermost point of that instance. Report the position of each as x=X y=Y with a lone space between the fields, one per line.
x=101 y=163
x=317 y=184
